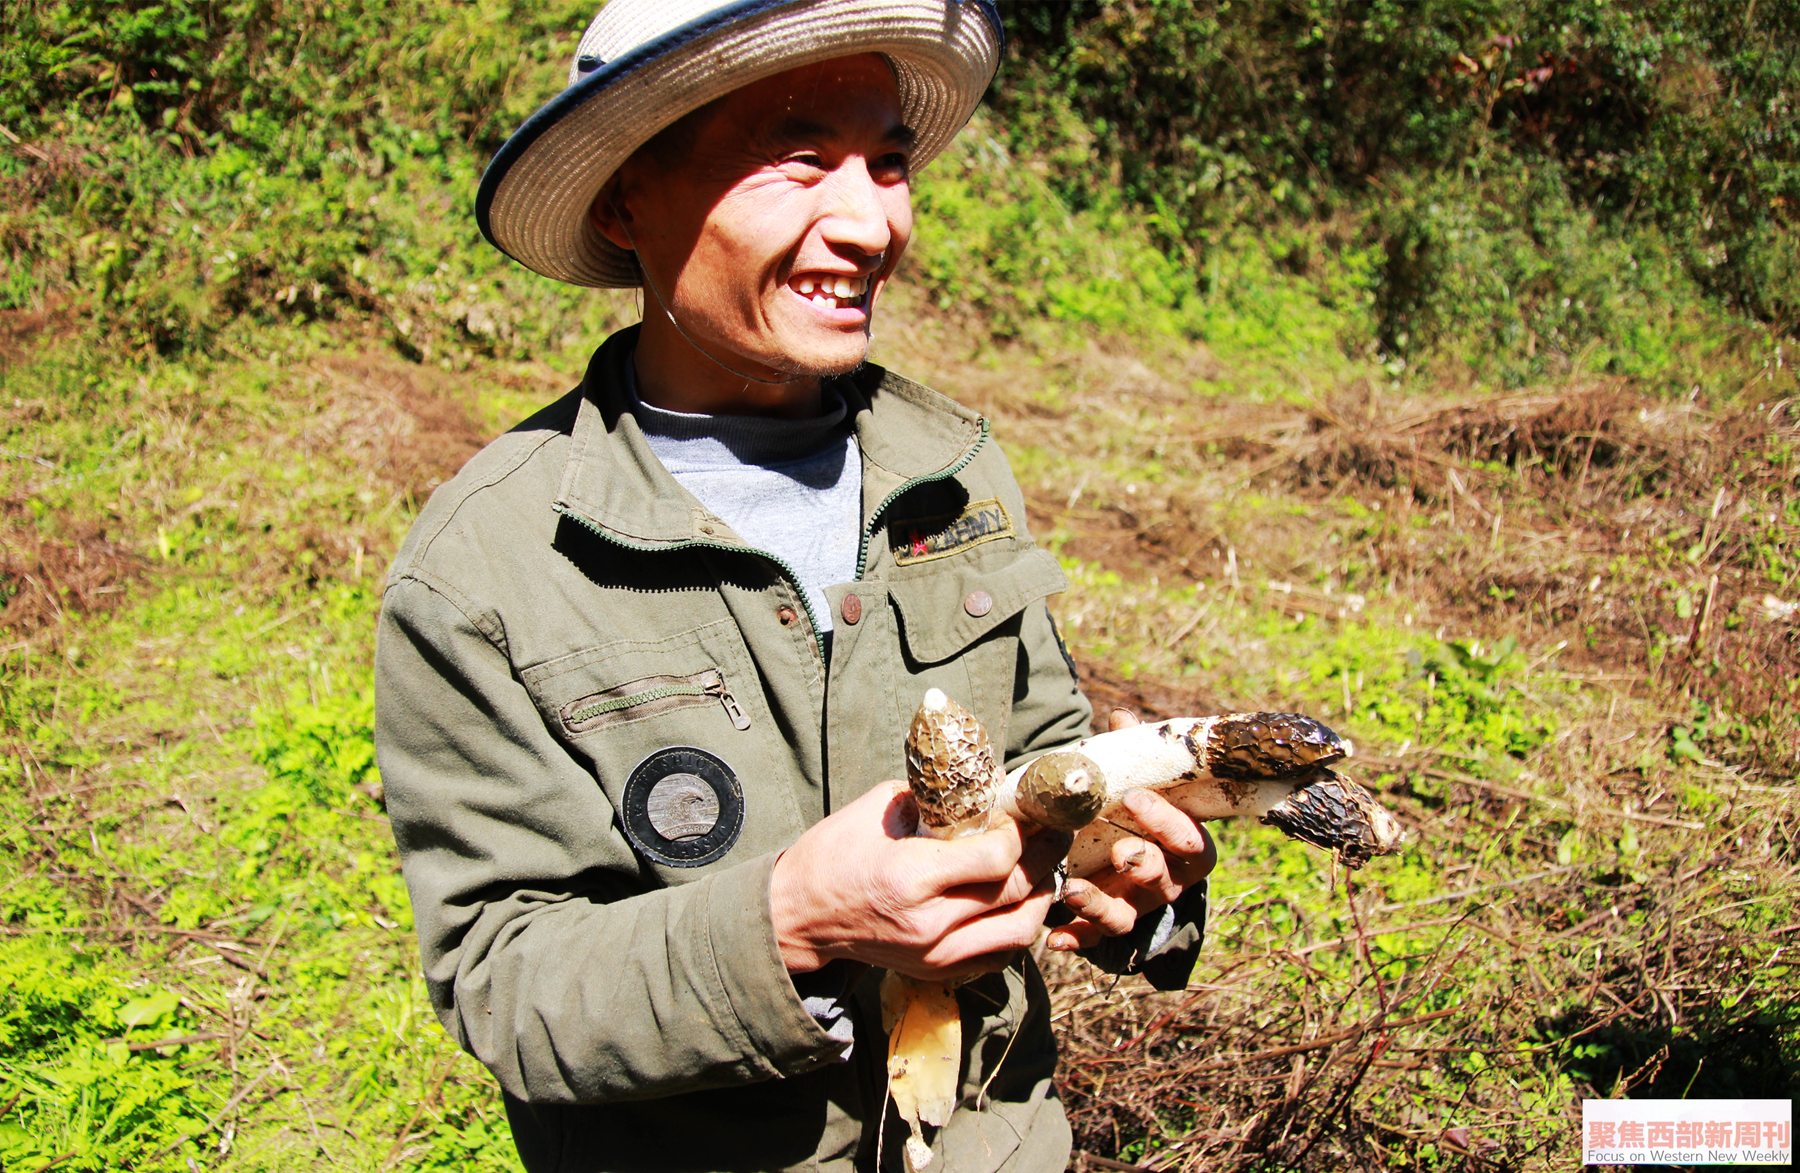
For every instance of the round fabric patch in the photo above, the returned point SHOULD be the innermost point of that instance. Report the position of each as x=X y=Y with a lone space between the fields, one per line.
x=683 y=807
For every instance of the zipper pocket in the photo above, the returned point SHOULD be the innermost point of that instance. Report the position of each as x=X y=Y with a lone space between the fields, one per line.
x=652 y=695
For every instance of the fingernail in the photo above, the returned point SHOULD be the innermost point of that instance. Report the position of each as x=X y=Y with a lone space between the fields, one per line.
x=1132 y=859
x=1062 y=942
x=1136 y=800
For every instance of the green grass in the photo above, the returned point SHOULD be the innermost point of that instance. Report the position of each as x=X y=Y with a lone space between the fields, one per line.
x=195 y=845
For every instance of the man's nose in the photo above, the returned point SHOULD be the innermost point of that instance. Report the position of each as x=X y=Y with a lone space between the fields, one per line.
x=856 y=215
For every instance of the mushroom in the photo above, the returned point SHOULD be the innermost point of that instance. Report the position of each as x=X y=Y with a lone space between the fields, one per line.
x=1275 y=766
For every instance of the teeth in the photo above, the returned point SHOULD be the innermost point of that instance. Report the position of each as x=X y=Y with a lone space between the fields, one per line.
x=833 y=292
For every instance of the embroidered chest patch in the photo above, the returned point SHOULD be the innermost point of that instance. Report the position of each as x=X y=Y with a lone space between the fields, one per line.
x=939 y=537
x=683 y=807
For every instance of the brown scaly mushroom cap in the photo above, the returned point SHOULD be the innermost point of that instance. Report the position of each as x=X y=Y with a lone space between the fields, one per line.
x=950 y=765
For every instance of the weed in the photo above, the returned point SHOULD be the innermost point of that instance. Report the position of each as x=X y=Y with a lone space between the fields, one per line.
x=81 y=1084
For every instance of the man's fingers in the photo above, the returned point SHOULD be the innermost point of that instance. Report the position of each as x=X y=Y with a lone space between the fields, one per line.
x=1121 y=719
x=1148 y=872
x=987 y=942
x=860 y=884
x=1175 y=832
x=1143 y=871
x=1029 y=876
x=1003 y=854
x=987 y=858
x=900 y=815
x=1080 y=934
x=1111 y=914
x=1043 y=851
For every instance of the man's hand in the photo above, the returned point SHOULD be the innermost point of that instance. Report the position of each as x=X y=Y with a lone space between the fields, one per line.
x=858 y=884
x=1147 y=874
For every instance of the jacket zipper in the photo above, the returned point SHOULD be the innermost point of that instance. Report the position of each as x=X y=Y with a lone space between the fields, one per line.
x=716 y=687
x=862 y=553
x=712 y=685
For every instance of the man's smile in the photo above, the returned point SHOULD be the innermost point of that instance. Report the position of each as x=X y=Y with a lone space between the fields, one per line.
x=832 y=291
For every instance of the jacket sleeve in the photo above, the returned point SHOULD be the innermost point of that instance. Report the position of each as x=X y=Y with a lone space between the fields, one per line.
x=1048 y=710
x=549 y=955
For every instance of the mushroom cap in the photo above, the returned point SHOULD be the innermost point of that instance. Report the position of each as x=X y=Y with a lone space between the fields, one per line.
x=1270 y=745
x=1340 y=816
x=950 y=764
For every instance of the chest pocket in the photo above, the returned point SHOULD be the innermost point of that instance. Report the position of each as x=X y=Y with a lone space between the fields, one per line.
x=959 y=627
x=678 y=736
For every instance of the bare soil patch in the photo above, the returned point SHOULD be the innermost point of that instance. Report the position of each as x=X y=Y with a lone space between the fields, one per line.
x=20 y=330
x=43 y=579
x=412 y=427
x=386 y=430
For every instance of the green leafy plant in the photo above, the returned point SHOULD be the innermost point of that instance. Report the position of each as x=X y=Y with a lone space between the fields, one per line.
x=78 y=1088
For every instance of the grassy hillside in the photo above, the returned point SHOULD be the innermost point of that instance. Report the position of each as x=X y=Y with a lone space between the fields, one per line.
x=1537 y=559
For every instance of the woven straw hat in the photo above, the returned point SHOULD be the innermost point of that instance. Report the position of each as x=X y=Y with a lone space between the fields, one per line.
x=642 y=64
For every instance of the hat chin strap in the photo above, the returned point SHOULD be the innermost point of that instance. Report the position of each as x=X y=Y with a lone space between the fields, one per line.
x=669 y=313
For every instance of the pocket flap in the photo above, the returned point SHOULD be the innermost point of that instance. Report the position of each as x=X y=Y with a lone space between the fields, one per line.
x=942 y=611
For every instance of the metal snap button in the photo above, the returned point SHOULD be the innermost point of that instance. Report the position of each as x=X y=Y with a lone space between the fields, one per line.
x=978 y=603
x=787 y=616
x=851 y=610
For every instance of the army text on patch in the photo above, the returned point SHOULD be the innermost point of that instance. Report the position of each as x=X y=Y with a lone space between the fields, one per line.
x=939 y=537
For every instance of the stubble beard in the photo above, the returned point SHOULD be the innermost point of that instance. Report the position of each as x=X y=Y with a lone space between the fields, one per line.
x=793 y=370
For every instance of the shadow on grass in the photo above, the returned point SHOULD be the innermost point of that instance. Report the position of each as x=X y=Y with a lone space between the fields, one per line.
x=1754 y=1056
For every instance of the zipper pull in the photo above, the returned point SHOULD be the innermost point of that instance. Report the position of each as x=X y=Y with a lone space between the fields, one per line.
x=715 y=686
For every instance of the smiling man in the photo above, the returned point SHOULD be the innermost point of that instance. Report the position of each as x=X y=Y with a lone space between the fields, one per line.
x=646 y=664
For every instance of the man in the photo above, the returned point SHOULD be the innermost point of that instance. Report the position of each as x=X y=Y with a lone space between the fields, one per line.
x=645 y=665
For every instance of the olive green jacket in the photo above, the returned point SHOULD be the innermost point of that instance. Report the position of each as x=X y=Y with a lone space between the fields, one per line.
x=562 y=612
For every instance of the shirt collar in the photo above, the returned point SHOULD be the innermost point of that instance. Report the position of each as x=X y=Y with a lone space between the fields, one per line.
x=614 y=483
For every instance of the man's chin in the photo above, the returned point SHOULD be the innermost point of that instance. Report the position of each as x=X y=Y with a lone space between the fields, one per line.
x=824 y=363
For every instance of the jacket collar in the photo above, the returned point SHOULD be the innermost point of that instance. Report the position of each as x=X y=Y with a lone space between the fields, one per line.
x=614 y=483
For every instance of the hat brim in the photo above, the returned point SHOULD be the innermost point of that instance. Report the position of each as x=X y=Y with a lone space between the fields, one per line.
x=534 y=198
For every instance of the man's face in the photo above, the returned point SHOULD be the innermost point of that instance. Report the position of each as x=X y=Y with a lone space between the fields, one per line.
x=772 y=234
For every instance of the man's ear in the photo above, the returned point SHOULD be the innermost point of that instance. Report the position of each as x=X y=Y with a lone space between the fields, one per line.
x=611 y=217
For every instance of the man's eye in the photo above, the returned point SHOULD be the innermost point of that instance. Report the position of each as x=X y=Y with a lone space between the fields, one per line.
x=807 y=159
x=893 y=167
